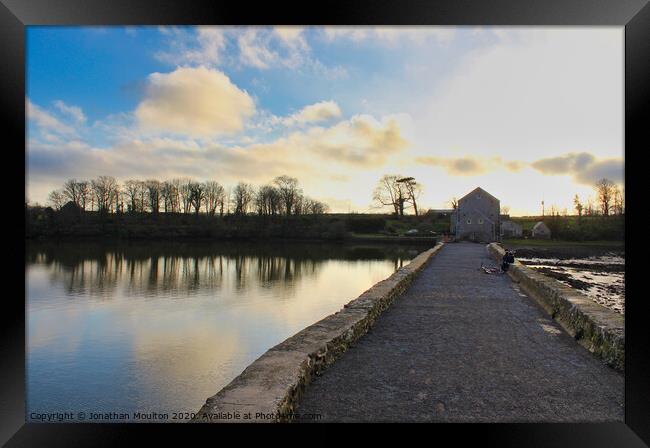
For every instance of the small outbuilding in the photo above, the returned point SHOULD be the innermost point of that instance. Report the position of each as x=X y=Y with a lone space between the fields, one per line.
x=70 y=212
x=510 y=229
x=541 y=231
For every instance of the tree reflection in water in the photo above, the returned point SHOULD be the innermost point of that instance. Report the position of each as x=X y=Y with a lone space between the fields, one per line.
x=180 y=269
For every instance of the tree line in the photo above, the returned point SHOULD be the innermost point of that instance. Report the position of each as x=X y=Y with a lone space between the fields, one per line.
x=283 y=196
x=610 y=200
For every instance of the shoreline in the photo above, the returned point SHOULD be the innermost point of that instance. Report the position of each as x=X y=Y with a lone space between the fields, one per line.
x=351 y=238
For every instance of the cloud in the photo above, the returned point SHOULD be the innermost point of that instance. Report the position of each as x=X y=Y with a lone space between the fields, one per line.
x=212 y=43
x=322 y=111
x=264 y=48
x=46 y=121
x=292 y=36
x=470 y=165
x=197 y=102
x=73 y=111
x=362 y=141
x=391 y=35
x=585 y=168
x=49 y=165
x=255 y=49
x=259 y=47
x=203 y=46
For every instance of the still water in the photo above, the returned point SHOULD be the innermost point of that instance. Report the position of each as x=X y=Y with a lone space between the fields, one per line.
x=159 y=327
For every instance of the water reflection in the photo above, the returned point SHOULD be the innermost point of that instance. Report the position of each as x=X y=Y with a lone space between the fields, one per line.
x=96 y=270
x=150 y=326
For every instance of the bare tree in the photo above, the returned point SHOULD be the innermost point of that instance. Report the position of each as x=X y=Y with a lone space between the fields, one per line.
x=175 y=195
x=57 y=199
x=577 y=205
x=617 y=201
x=84 y=193
x=298 y=205
x=153 y=188
x=105 y=190
x=413 y=190
x=392 y=193
x=289 y=192
x=453 y=203
x=72 y=191
x=197 y=195
x=589 y=209
x=605 y=192
x=120 y=199
x=314 y=207
x=242 y=195
x=267 y=201
x=185 y=192
x=132 y=190
x=166 y=192
x=214 y=193
x=224 y=202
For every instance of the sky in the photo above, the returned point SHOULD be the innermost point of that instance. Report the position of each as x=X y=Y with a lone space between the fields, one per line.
x=529 y=114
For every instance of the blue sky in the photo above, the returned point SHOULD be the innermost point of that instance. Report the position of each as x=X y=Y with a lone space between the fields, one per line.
x=335 y=107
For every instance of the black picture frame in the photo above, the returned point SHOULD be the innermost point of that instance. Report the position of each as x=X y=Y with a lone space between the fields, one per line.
x=634 y=15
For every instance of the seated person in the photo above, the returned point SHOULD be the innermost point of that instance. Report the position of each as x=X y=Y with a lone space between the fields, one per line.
x=507 y=259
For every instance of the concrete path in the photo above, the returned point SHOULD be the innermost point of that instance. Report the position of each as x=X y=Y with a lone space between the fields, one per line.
x=464 y=346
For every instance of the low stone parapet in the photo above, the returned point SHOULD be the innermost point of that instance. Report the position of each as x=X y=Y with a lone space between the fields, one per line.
x=596 y=327
x=268 y=390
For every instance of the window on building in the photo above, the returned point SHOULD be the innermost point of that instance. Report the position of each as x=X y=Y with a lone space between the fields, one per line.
x=480 y=220
x=469 y=220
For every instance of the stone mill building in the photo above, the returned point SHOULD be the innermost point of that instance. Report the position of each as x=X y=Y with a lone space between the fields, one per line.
x=477 y=217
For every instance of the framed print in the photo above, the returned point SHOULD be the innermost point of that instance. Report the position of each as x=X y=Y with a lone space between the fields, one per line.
x=363 y=212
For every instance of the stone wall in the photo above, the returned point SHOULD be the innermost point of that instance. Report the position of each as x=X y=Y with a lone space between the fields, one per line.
x=269 y=389
x=597 y=328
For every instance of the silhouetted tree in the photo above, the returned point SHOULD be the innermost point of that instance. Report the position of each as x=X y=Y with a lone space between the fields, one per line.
x=57 y=199
x=197 y=195
x=84 y=193
x=605 y=192
x=267 y=201
x=133 y=190
x=72 y=191
x=577 y=205
x=242 y=195
x=214 y=195
x=392 y=193
x=105 y=190
x=289 y=192
x=314 y=207
x=153 y=195
x=185 y=191
x=413 y=190
x=618 y=203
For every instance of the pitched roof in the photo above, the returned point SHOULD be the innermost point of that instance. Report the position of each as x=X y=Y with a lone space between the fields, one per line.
x=478 y=190
x=541 y=226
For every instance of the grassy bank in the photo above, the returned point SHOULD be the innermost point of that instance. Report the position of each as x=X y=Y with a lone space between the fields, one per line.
x=578 y=228
x=48 y=224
